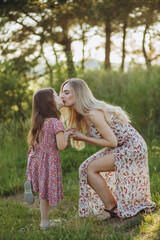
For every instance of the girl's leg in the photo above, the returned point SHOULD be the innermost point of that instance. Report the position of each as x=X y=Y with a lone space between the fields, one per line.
x=44 y=208
x=96 y=181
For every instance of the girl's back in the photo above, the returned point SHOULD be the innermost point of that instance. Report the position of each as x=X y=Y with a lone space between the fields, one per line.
x=44 y=164
x=47 y=142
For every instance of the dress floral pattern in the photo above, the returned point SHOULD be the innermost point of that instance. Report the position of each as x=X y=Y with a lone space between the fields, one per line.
x=44 y=164
x=129 y=183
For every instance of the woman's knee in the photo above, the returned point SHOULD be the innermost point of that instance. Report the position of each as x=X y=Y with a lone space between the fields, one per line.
x=91 y=168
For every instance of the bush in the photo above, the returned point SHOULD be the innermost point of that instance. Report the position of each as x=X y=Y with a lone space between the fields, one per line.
x=137 y=92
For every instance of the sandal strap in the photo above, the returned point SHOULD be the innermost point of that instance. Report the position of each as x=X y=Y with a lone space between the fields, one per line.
x=45 y=225
x=112 y=214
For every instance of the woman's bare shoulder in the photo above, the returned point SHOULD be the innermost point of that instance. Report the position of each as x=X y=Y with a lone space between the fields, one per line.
x=95 y=113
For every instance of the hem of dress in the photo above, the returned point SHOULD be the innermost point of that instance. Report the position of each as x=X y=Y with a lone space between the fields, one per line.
x=54 y=204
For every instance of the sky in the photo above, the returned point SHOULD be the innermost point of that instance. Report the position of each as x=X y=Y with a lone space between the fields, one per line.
x=94 y=48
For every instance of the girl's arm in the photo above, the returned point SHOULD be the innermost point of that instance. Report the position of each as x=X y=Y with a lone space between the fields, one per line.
x=62 y=140
x=98 y=120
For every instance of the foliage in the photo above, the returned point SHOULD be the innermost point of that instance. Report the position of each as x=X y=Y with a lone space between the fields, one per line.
x=137 y=92
x=28 y=27
x=14 y=91
x=38 y=24
x=13 y=154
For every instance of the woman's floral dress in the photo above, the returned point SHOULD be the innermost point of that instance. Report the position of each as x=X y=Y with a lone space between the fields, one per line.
x=44 y=164
x=129 y=183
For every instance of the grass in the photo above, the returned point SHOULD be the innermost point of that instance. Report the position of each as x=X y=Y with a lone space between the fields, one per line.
x=19 y=221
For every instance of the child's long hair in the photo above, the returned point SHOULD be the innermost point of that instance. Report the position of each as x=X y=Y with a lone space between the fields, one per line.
x=43 y=107
x=84 y=102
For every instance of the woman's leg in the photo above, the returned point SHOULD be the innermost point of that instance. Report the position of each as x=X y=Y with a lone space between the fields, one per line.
x=96 y=181
x=44 y=208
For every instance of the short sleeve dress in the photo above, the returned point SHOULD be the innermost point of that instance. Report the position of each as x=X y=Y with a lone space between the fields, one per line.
x=129 y=183
x=44 y=164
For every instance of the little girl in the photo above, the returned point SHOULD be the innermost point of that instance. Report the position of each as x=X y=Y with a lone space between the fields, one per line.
x=46 y=138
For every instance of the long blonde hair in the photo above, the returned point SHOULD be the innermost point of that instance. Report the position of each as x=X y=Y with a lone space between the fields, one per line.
x=84 y=102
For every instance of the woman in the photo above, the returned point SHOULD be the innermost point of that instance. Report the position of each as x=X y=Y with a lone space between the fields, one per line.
x=115 y=180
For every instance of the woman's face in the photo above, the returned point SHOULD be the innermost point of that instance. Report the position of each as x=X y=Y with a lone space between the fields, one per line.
x=67 y=96
x=58 y=100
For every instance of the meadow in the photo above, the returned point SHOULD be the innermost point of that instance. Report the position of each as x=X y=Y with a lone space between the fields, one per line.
x=21 y=221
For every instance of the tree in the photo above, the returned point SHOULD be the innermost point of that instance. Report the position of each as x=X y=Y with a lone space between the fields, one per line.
x=106 y=16
x=111 y=15
x=46 y=23
x=126 y=7
x=150 y=15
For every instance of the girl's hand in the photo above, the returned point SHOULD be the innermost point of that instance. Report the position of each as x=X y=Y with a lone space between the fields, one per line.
x=76 y=135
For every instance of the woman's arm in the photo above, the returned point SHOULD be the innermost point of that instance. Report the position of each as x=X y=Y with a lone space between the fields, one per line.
x=62 y=140
x=98 y=120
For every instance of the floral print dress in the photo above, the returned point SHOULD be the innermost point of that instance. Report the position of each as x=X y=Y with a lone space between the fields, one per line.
x=129 y=183
x=44 y=164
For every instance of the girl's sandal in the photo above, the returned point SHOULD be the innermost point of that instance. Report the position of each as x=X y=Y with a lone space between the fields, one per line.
x=48 y=225
x=101 y=217
x=28 y=194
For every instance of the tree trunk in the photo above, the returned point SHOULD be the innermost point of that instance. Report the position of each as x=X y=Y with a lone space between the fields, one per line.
x=83 y=45
x=68 y=53
x=107 y=64
x=56 y=56
x=147 y=60
x=50 y=72
x=123 y=44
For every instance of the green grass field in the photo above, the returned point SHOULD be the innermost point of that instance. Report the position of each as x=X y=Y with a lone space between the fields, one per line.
x=21 y=221
x=138 y=92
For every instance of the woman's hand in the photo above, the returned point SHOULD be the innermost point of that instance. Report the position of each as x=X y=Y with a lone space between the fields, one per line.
x=76 y=135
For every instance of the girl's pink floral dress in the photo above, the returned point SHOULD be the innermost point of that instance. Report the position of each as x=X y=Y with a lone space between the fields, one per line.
x=44 y=164
x=129 y=183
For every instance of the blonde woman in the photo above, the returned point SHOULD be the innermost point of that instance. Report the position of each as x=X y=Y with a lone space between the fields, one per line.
x=115 y=180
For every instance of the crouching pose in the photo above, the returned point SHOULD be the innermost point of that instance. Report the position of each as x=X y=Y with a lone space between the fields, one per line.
x=115 y=180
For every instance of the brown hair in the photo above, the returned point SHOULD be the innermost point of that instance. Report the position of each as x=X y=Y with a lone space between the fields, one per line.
x=43 y=107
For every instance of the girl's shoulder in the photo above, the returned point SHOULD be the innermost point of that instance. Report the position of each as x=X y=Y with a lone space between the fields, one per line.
x=53 y=121
x=55 y=124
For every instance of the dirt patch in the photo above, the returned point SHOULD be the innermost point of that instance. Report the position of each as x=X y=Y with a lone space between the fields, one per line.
x=20 y=199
